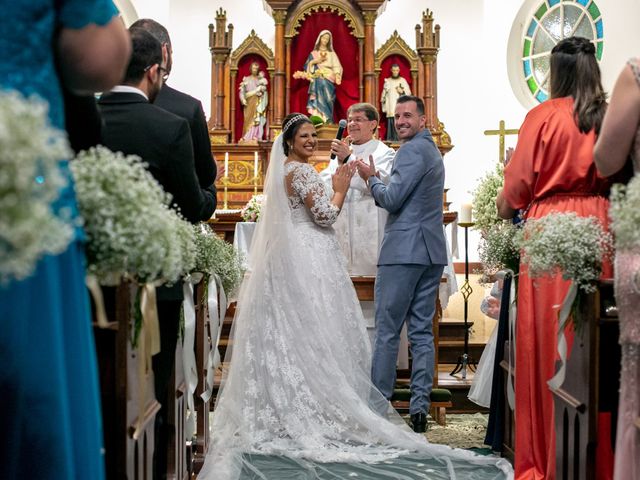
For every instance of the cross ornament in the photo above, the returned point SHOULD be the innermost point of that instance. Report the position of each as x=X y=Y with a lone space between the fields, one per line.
x=502 y=132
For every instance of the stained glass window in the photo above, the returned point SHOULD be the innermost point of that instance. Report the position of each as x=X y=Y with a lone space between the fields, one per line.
x=551 y=22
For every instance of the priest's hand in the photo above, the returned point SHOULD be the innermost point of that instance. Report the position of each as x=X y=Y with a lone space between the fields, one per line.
x=340 y=149
x=367 y=171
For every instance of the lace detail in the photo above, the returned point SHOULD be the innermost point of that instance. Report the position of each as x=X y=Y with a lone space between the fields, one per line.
x=306 y=189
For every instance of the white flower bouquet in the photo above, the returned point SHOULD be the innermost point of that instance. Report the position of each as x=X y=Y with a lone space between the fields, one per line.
x=130 y=227
x=485 y=211
x=498 y=249
x=568 y=243
x=215 y=256
x=251 y=211
x=30 y=181
x=625 y=213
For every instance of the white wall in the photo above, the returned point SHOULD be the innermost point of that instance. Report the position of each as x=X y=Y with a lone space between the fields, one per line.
x=474 y=92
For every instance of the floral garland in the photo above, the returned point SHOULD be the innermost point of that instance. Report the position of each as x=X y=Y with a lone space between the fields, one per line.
x=131 y=229
x=31 y=151
x=251 y=211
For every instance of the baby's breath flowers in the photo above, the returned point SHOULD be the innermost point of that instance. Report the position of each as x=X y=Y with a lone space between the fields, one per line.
x=625 y=214
x=215 y=256
x=567 y=243
x=31 y=179
x=131 y=229
x=485 y=212
x=497 y=248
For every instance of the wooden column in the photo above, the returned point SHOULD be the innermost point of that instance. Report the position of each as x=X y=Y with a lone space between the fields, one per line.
x=279 y=78
x=288 y=75
x=220 y=41
x=428 y=44
x=232 y=94
x=369 y=75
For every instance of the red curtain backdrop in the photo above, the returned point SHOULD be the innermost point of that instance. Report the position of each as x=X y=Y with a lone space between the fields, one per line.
x=405 y=71
x=244 y=69
x=346 y=47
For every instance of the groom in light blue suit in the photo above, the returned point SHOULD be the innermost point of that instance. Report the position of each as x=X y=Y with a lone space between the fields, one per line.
x=412 y=257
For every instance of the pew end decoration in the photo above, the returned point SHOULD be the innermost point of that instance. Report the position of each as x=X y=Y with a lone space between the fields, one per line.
x=251 y=211
x=31 y=179
x=131 y=230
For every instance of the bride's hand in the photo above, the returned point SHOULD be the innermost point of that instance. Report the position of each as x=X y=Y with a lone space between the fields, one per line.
x=342 y=178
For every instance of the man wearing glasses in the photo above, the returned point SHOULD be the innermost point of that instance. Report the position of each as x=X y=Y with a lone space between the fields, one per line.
x=184 y=106
x=134 y=126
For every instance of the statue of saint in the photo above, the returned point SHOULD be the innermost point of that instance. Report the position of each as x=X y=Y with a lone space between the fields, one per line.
x=394 y=87
x=254 y=99
x=324 y=71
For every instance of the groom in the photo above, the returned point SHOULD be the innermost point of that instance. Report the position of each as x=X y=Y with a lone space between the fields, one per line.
x=412 y=256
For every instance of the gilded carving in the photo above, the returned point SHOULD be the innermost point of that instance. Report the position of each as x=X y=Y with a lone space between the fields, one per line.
x=252 y=44
x=279 y=16
x=241 y=173
x=396 y=45
x=370 y=17
x=336 y=6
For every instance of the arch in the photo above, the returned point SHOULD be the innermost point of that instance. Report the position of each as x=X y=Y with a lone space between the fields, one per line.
x=351 y=16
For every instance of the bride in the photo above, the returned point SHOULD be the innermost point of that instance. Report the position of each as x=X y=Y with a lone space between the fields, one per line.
x=297 y=400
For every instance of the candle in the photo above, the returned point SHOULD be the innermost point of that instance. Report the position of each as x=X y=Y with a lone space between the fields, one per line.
x=465 y=213
x=255 y=164
x=226 y=164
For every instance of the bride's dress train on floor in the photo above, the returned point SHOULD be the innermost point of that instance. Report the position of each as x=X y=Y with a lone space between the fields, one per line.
x=296 y=399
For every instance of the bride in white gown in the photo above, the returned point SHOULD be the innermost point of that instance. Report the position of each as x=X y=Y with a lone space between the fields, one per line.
x=296 y=399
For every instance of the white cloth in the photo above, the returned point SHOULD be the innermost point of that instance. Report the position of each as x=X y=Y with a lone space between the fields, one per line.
x=242 y=237
x=360 y=226
x=298 y=385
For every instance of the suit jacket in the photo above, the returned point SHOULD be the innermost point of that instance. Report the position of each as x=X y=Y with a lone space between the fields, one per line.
x=190 y=109
x=134 y=126
x=413 y=233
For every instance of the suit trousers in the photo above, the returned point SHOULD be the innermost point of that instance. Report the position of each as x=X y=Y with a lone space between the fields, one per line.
x=405 y=293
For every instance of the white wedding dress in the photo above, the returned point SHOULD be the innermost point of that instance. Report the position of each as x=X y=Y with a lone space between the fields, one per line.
x=295 y=401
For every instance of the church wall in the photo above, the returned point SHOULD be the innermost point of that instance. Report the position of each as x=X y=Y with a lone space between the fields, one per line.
x=474 y=92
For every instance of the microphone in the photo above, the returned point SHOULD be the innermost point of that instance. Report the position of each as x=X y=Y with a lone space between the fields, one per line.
x=342 y=124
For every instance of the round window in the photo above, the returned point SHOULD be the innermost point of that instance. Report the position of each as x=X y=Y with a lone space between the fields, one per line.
x=552 y=21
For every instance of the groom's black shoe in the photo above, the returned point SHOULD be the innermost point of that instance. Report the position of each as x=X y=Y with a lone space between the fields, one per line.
x=419 y=422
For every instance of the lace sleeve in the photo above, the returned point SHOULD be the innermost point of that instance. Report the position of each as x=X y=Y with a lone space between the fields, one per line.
x=307 y=184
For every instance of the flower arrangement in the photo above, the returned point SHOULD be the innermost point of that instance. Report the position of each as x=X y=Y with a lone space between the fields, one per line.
x=485 y=211
x=215 y=256
x=568 y=243
x=251 y=211
x=30 y=181
x=498 y=250
x=625 y=213
x=130 y=227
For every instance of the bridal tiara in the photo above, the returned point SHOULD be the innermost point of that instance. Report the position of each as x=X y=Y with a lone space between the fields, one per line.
x=294 y=120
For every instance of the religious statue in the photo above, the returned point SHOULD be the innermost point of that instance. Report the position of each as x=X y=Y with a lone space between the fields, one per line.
x=254 y=98
x=324 y=71
x=394 y=87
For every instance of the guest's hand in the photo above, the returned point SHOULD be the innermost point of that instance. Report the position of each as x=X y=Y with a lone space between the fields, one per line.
x=220 y=171
x=340 y=149
x=508 y=155
x=366 y=171
x=342 y=178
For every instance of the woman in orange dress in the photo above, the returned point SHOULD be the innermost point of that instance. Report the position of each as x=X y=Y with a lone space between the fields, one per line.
x=551 y=169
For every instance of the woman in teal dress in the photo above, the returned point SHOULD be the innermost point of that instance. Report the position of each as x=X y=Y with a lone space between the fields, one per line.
x=49 y=397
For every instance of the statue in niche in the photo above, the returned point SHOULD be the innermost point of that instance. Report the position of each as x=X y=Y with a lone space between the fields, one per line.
x=394 y=87
x=254 y=99
x=324 y=71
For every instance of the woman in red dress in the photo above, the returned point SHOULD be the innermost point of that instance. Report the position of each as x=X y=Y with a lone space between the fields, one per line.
x=551 y=169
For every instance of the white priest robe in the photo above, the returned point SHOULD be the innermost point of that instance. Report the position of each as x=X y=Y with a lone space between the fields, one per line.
x=360 y=225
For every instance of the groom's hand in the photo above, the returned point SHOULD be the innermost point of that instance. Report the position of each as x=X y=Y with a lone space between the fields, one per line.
x=366 y=171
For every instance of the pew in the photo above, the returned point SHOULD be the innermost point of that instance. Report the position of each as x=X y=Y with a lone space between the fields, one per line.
x=591 y=386
x=128 y=421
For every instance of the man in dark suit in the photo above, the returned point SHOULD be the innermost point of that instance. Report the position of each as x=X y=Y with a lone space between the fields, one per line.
x=134 y=126
x=184 y=106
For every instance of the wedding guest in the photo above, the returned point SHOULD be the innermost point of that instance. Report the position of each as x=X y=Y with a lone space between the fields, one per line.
x=619 y=142
x=412 y=256
x=134 y=126
x=49 y=398
x=551 y=169
x=185 y=106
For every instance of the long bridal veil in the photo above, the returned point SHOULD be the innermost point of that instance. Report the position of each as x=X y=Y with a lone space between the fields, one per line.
x=296 y=399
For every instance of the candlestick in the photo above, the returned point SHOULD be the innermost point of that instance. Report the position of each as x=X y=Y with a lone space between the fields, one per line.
x=226 y=164
x=465 y=213
x=255 y=164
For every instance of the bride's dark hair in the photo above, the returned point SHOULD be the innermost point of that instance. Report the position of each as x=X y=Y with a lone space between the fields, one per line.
x=290 y=126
